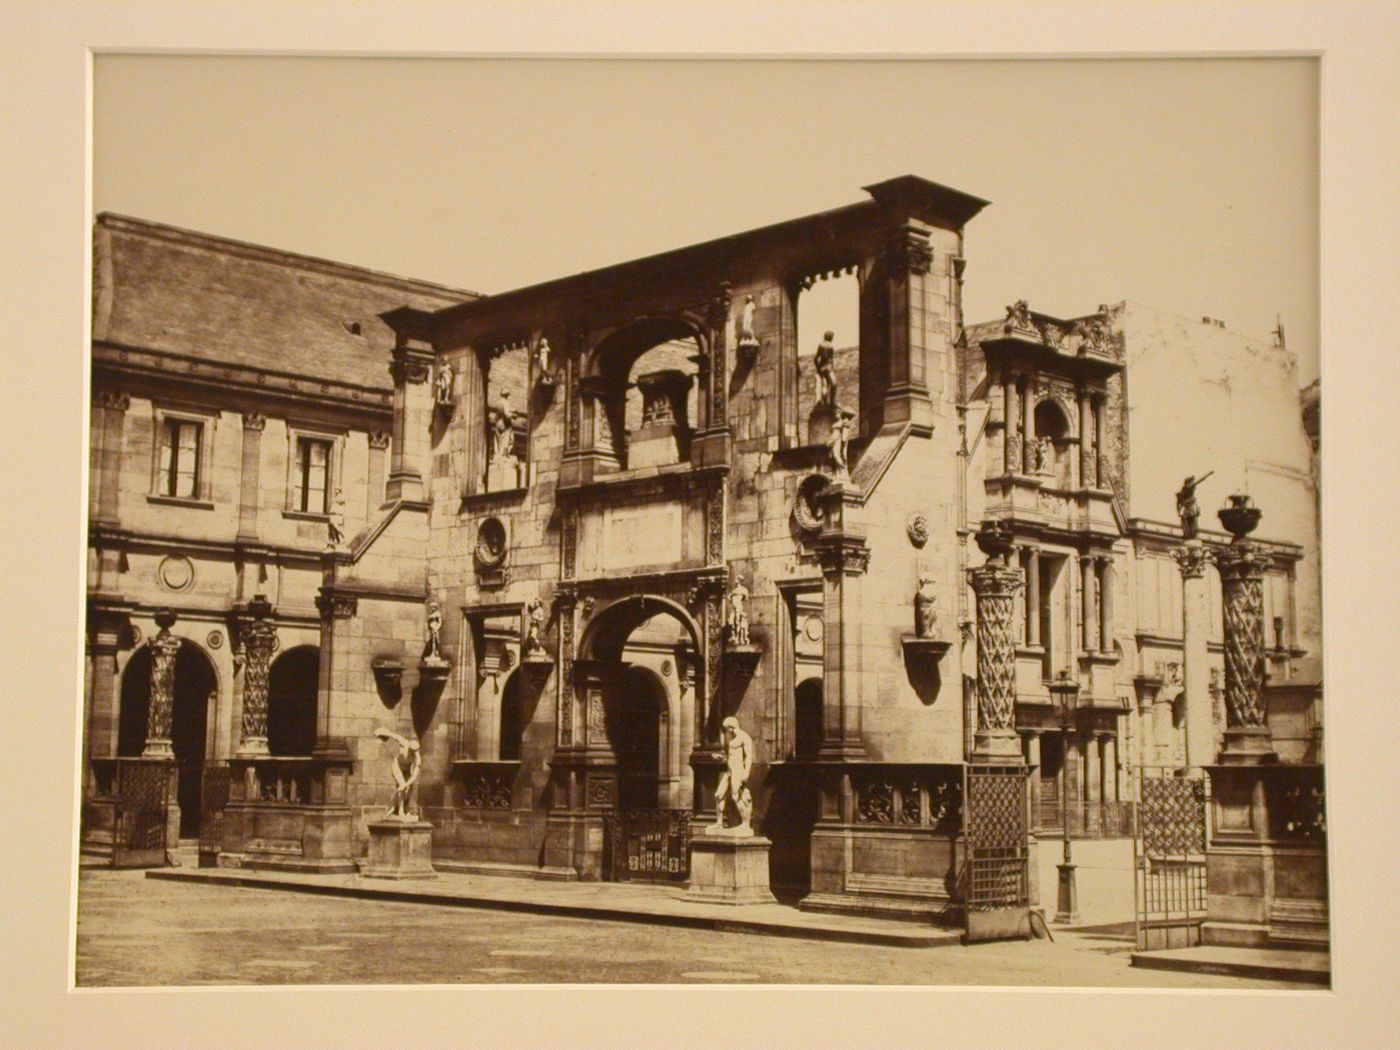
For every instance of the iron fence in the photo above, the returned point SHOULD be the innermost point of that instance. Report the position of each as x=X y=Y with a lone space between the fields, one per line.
x=1169 y=864
x=649 y=845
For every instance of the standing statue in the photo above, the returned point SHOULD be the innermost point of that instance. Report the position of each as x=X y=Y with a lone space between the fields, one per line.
x=1044 y=453
x=738 y=613
x=434 y=652
x=734 y=781
x=502 y=429
x=442 y=388
x=335 y=521
x=839 y=443
x=746 y=338
x=1187 y=509
x=925 y=607
x=825 y=363
x=406 y=765
x=542 y=352
x=532 y=628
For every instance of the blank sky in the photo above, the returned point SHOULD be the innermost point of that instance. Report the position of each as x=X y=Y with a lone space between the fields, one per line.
x=1187 y=185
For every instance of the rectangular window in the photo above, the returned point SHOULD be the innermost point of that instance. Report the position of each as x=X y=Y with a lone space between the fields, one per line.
x=312 y=474
x=179 y=458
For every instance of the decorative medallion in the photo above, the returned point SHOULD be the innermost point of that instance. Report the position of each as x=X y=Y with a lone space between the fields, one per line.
x=215 y=640
x=807 y=507
x=666 y=669
x=491 y=543
x=175 y=573
x=918 y=528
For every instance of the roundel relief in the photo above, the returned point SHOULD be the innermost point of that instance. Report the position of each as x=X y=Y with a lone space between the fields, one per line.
x=807 y=507
x=491 y=542
x=175 y=572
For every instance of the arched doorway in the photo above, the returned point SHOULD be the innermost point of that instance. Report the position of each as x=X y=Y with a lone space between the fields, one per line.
x=291 y=701
x=807 y=724
x=196 y=689
x=638 y=731
x=513 y=719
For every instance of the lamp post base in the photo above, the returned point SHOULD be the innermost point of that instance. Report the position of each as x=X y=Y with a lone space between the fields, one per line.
x=1067 y=907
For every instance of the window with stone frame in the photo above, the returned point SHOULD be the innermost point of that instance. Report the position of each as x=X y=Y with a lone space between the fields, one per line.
x=313 y=471
x=182 y=455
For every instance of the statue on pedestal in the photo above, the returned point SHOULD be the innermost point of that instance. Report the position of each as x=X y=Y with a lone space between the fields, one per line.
x=335 y=521
x=542 y=361
x=434 y=653
x=502 y=430
x=738 y=613
x=840 y=440
x=1187 y=509
x=442 y=386
x=532 y=628
x=406 y=765
x=734 y=781
x=746 y=338
x=825 y=363
x=926 y=607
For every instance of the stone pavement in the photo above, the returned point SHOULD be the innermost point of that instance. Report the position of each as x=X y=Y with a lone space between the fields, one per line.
x=1310 y=967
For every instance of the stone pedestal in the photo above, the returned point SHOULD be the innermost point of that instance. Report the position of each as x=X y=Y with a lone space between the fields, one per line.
x=819 y=424
x=503 y=475
x=729 y=868
x=400 y=849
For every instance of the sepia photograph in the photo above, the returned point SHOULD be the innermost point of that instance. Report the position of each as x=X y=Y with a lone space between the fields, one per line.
x=703 y=522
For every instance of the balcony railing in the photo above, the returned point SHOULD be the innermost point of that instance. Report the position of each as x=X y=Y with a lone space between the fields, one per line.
x=1087 y=820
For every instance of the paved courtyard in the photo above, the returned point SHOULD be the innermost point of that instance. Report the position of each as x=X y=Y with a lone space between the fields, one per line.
x=138 y=931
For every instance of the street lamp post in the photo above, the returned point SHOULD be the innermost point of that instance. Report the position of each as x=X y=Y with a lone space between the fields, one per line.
x=1065 y=694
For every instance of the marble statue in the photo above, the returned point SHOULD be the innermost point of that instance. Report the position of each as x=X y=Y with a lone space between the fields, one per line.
x=335 y=521
x=1044 y=453
x=738 y=614
x=840 y=440
x=926 y=607
x=1187 y=509
x=533 y=627
x=442 y=388
x=406 y=765
x=542 y=352
x=434 y=631
x=825 y=363
x=502 y=430
x=746 y=338
x=734 y=781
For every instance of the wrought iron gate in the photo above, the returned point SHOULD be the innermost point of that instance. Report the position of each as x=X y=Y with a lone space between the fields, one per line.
x=651 y=845
x=998 y=849
x=213 y=797
x=1169 y=862
x=143 y=805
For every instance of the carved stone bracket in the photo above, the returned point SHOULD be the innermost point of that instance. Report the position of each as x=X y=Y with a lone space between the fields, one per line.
x=843 y=553
x=909 y=250
x=336 y=605
x=410 y=365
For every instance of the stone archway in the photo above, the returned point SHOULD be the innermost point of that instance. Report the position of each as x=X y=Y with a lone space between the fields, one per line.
x=291 y=701
x=191 y=718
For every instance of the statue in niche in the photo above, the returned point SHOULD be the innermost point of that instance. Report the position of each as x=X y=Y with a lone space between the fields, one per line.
x=335 y=520
x=407 y=763
x=542 y=362
x=840 y=441
x=746 y=338
x=434 y=648
x=734 y=781
x=1187 y=509
x=442 y=387
x=926 y=607
x=825 y=363
x=502 y=430
x=738 y=613
x=1044 y=453
x=532 y=628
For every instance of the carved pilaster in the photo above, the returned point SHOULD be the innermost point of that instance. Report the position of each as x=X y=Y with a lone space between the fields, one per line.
x=717 y=317
x=714 y=526
x=165 y=647
x=255 y=421
x=258 y=641
x=379 y=440
x=336 y=605
x=114 y=400
x=566 y=676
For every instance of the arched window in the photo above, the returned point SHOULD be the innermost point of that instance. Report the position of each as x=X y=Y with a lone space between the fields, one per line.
x=807 y=723
x=828 y=369
x=291 y=701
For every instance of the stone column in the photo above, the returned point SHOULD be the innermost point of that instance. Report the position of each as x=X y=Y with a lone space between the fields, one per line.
x=1088 y=627
x=1193 y=558
x=1242 y=567
x=1027 y=423
x=1163 y=734
x=844 y=559
x=374 y=485
x=334 y=606
x=165 y=647
x=995 y=584
x=1033 y=760
x=111 y=407
x=1087 y=463
x=1033 y=595
x=258 y=640
x=1100 y=442
x=413 y=412
x=1011 y=443
x=253 y=423
x=908 y=259
x=105 y=640
x=1110 y=768
x=1093 y=778
x=1105 y=566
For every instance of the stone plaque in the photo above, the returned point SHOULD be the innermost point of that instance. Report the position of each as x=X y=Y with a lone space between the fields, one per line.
x=635 y=536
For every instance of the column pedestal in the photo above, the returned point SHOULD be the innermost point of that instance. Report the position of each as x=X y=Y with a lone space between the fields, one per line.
x=726 y=868
x=399 y=849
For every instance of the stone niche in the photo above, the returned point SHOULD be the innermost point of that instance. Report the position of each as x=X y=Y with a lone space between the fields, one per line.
x=664 y=436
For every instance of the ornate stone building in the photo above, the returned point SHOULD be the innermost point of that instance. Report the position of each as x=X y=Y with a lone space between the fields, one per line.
x=637 y=508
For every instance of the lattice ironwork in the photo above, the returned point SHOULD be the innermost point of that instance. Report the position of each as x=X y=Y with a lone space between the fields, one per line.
x=1172 y=817
x=143 y=803
x=997 y=838
x=213 y=798
x=1169 y=869
x=649 y=845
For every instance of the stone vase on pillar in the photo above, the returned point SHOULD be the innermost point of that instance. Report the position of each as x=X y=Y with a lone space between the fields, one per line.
x=1242 y=567
x=165 y=647
x=996 y=584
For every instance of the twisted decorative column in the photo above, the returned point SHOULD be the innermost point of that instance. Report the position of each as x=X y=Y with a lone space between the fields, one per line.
x=258 y=640
x=996 y=584
x=164 y=648
x=1242 y=565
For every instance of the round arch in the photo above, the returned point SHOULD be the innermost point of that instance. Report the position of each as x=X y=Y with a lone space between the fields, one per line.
x=292 y=682
x=616 y=352
x=608 y=630
x=1052 y=421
